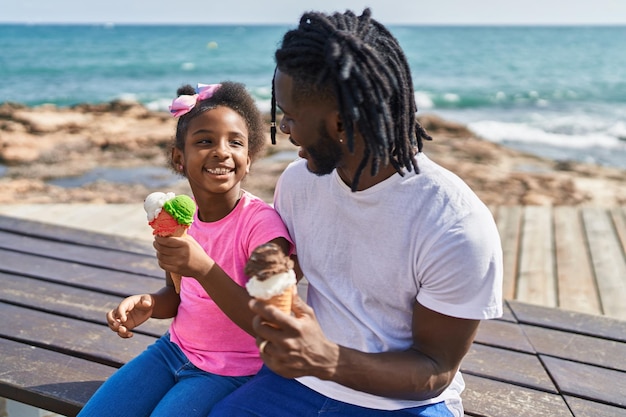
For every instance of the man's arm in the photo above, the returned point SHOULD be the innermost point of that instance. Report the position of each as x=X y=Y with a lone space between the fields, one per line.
x=299 y=348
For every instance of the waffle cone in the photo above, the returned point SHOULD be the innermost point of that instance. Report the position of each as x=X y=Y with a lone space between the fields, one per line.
x=180 y=231
x=283 y=301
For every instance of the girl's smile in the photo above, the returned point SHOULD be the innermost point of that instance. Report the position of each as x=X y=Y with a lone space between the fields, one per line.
x=219 y=171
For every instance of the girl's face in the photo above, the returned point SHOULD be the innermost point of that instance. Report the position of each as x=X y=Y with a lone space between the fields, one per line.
x=215 y=156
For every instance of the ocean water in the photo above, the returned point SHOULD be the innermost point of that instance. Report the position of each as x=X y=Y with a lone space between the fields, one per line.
x=558 y=92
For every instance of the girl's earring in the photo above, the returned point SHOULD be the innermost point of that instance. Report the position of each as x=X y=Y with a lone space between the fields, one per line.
x=180 y=167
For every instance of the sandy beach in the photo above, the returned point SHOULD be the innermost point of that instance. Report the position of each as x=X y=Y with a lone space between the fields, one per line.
x=44 y=143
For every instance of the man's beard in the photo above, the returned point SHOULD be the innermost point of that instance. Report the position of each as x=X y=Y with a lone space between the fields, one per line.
x=325 y=155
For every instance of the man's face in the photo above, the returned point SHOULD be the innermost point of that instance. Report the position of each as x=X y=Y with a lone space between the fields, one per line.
x=307 y=125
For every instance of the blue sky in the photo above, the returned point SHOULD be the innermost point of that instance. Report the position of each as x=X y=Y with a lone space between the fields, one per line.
x=288 y=11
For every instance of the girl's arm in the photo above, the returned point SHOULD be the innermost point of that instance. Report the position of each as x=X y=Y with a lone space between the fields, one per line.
x=186 y=257
x=165 y=301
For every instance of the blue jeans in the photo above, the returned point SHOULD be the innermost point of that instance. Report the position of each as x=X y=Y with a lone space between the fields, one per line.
x=270 y=395
x=160 y=382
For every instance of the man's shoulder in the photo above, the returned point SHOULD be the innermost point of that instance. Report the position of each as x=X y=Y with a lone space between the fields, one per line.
x=296 y=166
x=443 y=180
x=296 y=172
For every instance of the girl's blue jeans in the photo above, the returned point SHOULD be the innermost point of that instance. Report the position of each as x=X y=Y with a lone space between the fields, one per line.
x=160 y=382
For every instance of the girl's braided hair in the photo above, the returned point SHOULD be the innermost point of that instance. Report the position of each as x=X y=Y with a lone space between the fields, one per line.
x=357 y=61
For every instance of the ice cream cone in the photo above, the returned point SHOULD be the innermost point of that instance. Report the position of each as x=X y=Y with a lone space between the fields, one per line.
x=272 y=278
x=283 y=301
x=170 y=215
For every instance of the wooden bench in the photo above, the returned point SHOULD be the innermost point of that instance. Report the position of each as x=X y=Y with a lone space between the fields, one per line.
x=57 y=283
x=540 y=361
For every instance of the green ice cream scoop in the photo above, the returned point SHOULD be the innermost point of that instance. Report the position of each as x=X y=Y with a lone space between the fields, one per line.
x=182 y=208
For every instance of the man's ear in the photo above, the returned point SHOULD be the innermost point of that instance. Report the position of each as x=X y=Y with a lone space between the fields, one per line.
x=339 y=123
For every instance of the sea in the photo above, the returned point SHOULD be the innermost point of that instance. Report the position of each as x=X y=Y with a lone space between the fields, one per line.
x=558 y=92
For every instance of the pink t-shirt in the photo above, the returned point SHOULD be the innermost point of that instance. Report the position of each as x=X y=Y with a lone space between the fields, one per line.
x=209 y=339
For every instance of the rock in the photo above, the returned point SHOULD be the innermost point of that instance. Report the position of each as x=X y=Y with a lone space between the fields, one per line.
x=12 y=155
x=50 y=120
x=42 y=143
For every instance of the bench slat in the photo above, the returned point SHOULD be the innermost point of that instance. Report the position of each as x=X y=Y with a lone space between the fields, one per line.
x=585 y=408
x=608 y=386
x=48 y=380
x=499 y=333
x=86 y=255
x=581 y=348
x=508 y=366
x=581 y=323
x=76 y=337
x=82 y=276
x=486 y=397
x=68 y=301
x=73 y=235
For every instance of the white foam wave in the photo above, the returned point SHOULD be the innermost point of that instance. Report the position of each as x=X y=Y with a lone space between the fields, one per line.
x=265 y=106
x=128 y=97
x=451 y=98
x=161 y=104
x=517 y=132
x=188 y=66
x=618 y=130
x=423 y=100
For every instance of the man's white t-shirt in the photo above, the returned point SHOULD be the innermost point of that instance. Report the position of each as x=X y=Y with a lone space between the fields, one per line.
x=369 y=255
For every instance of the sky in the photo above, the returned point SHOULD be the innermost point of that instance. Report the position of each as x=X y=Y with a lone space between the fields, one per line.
x=427 y=12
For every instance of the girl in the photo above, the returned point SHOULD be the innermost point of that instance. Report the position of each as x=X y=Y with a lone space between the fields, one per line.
x=208 y=351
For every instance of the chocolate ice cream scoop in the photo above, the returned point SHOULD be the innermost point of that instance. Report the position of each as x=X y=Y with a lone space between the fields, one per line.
x=266 y=261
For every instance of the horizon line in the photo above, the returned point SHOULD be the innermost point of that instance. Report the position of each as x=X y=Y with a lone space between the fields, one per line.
x=431 y=24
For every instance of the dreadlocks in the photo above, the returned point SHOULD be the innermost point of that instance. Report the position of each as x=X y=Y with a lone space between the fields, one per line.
x=356 y=60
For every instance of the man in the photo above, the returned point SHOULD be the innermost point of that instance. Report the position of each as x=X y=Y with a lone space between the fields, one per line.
x=402 y=258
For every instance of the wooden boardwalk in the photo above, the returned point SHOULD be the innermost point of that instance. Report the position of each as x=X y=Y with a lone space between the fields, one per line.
x=573 y=258
x=57 y=283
